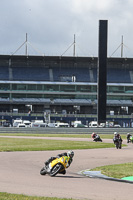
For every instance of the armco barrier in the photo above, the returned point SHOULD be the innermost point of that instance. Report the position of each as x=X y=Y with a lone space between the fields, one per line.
x=65 y=130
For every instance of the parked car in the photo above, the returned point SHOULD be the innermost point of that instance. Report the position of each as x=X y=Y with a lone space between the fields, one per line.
x=80 y=126
x=21 y=126
x=6 y=124
x=117 y=126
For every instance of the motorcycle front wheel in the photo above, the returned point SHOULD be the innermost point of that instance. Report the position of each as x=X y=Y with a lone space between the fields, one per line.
x=117 y=145
x=43 y=171
x=55 y=170
x=120 y=145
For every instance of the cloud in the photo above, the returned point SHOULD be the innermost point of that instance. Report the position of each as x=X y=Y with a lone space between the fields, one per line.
x=51 y=25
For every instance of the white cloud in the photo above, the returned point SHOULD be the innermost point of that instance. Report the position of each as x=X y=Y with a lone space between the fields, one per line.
x=51 y=24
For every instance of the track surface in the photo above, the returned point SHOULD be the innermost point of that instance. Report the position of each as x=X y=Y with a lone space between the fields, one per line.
x=20 y=174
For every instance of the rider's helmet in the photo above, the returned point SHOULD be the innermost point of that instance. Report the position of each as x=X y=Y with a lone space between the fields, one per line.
x=93 y=135
x=70 y=154
x=128 y=133
x=117 y=134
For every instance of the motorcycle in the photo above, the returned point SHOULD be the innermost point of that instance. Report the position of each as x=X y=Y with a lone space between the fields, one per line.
x=56 y=166
x=97 y=139
x=118 y=143
x=131 y=139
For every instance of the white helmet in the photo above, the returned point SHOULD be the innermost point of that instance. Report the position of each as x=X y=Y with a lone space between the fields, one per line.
x=70 y=153
x=115 y=133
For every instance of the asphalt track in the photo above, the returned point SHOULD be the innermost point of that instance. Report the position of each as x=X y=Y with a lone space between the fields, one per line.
x=20 y=174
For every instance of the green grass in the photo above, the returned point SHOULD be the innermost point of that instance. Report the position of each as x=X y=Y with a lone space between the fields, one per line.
x=103 y=136
x=19 y=144
x=48 y=135
x=110 y=136
x=8 y=196
x=116 y=171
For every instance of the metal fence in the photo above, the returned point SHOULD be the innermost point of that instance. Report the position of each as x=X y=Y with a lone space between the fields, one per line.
x=11 y=130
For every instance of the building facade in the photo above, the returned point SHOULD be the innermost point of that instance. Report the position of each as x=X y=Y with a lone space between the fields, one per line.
x=63 y=84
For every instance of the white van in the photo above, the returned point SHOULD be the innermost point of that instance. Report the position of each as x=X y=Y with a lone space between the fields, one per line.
x=27 y=123
x=51 y=125
x=16 y=122
x=75 y=123
x=38 y=123
x=58 y=125
x=21 y=126
x=93 y=124
x=61 y=125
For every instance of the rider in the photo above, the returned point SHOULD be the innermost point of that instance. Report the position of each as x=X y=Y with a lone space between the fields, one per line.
x=128 y=137
x=69 y=154
x=116 y=137
x=93 y=135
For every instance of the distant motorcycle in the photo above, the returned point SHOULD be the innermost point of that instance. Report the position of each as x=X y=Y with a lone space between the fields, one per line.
x=56 y=166
x=97 y=139
x=131 y=139
x=118 y=143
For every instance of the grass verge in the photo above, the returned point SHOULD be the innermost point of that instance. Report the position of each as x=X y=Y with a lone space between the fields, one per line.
x=103 y=136
x=19 y=144
x=116 y=171
x=8 y=196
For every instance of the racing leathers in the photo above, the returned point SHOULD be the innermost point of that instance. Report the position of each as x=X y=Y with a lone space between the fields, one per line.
x=128 y=137
x=116 y=138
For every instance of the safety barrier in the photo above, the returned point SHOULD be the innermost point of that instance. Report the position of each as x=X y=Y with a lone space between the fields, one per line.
x=46 y=130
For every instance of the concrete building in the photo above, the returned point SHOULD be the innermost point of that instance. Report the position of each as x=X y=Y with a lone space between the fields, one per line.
x=63 y=84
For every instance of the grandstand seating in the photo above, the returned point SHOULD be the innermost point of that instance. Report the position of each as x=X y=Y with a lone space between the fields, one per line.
x=115 y=75
x=118 y=102
x=4 y=73
x=32 y=100
x=82 y=74
x=81 y=101
x=73 y=101
x=30 y=73
x=69 y=101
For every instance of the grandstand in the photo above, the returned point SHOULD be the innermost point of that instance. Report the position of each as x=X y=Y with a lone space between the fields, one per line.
x=57 y=83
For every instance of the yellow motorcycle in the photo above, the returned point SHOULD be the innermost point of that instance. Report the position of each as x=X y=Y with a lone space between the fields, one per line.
x=56 y=166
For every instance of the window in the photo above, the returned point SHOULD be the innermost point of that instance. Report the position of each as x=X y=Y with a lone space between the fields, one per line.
x=19 y=87
x=4 y=86
x=67 y=88
x=51 y=87
x=31 y=87
x=116 y=89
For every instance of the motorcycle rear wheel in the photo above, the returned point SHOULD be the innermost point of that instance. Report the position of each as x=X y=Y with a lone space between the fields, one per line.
x=55 y=170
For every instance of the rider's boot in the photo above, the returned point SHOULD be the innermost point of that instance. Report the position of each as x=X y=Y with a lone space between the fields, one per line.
x=63 y=172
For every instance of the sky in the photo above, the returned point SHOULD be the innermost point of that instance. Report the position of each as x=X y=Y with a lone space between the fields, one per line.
x=50 y=26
